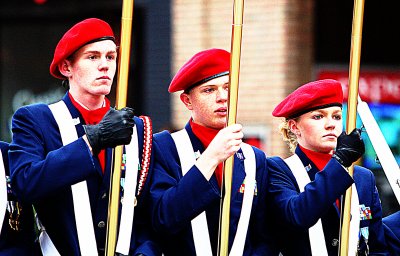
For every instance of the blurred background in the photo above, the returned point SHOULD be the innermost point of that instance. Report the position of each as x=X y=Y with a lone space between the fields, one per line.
x=286 y=43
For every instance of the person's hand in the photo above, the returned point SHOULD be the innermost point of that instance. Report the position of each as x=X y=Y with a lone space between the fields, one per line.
x=349 y=148
x=226 y=143
x=114 y=129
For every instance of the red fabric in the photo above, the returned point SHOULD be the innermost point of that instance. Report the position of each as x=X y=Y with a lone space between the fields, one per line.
x=204 y=65
x=80 y=34
x=314 y=95
x=206 y=135
x=93 y=117
x=320 y=160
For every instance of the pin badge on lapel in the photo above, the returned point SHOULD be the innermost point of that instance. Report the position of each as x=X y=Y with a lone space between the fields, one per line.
x=365 y=212
x=243 y=186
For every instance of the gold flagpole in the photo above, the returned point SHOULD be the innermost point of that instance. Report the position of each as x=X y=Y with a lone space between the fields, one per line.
x=354 y=72
x=236 y=42
x=121 y=94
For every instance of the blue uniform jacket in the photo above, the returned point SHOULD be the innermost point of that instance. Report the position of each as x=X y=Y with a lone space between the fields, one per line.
x=43 y=171
x=295 y=213
x=17 y=242
x=176 y=200
x=391 y=226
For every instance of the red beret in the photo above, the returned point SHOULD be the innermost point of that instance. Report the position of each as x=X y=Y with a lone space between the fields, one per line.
x=311 y=96
x=202 y=67
x=82 y=33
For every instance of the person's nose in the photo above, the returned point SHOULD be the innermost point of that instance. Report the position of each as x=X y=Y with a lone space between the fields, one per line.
x=104 y=64
x=330 y=123
x=222 y=94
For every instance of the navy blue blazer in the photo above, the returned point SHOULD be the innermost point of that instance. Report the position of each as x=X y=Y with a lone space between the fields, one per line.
x=176 y=200
x=22 y=241
x=391 y=226
x=43 y=171
x=296 y=212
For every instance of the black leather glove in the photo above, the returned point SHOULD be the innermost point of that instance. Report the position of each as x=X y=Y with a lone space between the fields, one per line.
x=114 y=129
x=349 y=148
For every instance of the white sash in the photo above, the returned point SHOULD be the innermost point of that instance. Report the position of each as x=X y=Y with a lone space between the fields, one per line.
x=3 y=191
x=201 y=235
x=128 y=204
x=250 y=186
x=187 y=157
x=83 y=213
x=83 y=217
x=316 y=233
x=385 y=155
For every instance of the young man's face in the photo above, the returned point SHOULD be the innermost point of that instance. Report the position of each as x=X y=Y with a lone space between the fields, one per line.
x=92 y=68
x=208 y=102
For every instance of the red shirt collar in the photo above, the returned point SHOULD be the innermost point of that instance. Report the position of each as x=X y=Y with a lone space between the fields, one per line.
x=319 y=159
x=91 y=116
x=204 y=134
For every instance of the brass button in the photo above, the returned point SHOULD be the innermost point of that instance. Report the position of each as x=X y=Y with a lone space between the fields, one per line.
x=335 y=242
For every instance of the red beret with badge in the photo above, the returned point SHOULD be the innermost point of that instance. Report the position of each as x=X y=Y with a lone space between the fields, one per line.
x=311 y=96
x=87 y=31
x=202 y=67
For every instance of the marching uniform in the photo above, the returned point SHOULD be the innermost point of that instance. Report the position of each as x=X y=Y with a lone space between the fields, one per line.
x=391 y=226
x=298 y=212
x=305 y=189
x=17 y=235
x=177 y=200
x=52 y=164
x=43 y=170
x=185 y=193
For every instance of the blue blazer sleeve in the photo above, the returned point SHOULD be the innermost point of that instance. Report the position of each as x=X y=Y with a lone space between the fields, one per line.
x=391 y=226
x=39 y=164
x=304 y=209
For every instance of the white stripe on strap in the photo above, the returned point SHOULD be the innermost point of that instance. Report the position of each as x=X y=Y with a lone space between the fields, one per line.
x=316 y=233
x=187 y=157
x=385 y=155
x=201 y=235
x=83 y=213
x=3 y=191
x=250 y=186
x=354 y=222
x=127 y=212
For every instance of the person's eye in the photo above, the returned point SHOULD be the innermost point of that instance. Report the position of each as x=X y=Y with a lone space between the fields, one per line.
x=337 y=117
x=317 y=117
x=92 y=57
x=111 y=57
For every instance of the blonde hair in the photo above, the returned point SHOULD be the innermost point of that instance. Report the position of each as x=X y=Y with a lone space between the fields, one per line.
x=288 y=136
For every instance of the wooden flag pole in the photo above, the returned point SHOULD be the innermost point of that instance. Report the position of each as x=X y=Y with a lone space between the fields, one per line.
x=354 y=72
x=121 y=95
x=236 y=42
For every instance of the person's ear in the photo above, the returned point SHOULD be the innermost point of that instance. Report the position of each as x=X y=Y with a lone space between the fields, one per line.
x=185 y=98
x=292 y=124
x=64 y=68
